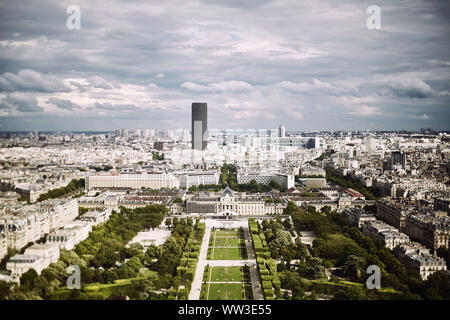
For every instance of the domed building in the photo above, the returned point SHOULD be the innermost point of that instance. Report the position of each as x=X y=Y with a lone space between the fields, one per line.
x=240 y=203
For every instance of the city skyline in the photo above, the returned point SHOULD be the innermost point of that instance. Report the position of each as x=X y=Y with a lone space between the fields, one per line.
x=308 y=66
x=208 y=157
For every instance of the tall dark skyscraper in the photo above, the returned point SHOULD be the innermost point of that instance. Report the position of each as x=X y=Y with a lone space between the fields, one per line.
x=199 y=125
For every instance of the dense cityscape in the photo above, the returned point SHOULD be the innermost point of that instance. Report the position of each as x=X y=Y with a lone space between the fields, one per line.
x=254 y=214
x=221 y=158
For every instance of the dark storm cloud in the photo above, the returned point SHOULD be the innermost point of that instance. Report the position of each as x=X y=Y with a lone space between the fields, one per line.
x=409 y=88
x=63 y=104
x=22 y=103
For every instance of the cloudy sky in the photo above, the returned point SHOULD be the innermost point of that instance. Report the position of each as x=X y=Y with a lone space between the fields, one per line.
x=257 y=63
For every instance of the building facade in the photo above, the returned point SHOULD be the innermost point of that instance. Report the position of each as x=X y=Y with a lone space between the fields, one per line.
x=199 y=125
x=31 y=224
x=392 y=213
x=418 y=259
x=132 y=181
x=242 y=204
x=442 y=204
x=434 y=232
x=72 y=234
x=378 y=230
x=287 y=181
x=189 y=179
x=37 y=257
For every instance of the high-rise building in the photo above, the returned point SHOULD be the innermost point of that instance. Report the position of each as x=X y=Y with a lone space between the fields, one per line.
x=199 y=125
x=281 y=132
x=122 y=132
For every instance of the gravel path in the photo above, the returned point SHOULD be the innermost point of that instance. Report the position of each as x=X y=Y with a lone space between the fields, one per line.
x=201 y=264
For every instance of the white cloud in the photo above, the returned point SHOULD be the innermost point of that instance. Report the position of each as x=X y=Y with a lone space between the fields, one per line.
x=318 y=85
x=29 y=80
x=223 y=86
x=99 y=82
x=268 y=49
x=295 y=113
x=364 y=111
x=422 y=117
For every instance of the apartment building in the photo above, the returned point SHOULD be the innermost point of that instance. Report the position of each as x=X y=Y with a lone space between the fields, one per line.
x=287 y=181
x=196 y=178
x=72 y=234
x=431 y=230
x=417 y=258
x=132 y=181
x=37 y=257
x=30 y=223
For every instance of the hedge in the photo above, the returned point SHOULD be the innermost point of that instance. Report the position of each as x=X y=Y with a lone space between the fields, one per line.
x=276 y=283
x=268 y=293
x=267 y=266
x=188 y=262
x=267 y=285
x=266 y=277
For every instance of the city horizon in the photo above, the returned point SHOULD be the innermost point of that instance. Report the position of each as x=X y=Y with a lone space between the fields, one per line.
x=287 y=131
x=208 y=157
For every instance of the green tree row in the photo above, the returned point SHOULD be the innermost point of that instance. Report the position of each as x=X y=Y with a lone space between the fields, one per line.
x=73 y=185
x=371 y=193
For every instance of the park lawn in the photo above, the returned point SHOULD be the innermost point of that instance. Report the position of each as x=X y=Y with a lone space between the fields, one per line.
x=346 y=283
x=228 y=242
x=341 y=283
x=226 y=274
x=225 y=291
x=104 y=289
x=237 y=253
x=221 y=240
x=350 y=283
x=93 y=290
x=389 y=290
x=229 y=233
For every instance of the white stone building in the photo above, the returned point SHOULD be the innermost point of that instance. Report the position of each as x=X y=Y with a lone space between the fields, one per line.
x=72 y=234
x=287 y=181
x=132 y=181
x=241 y=203
x=30 y=223
x=419 y=259
x=188 y=179
x=96 y=217
x=37 y=257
